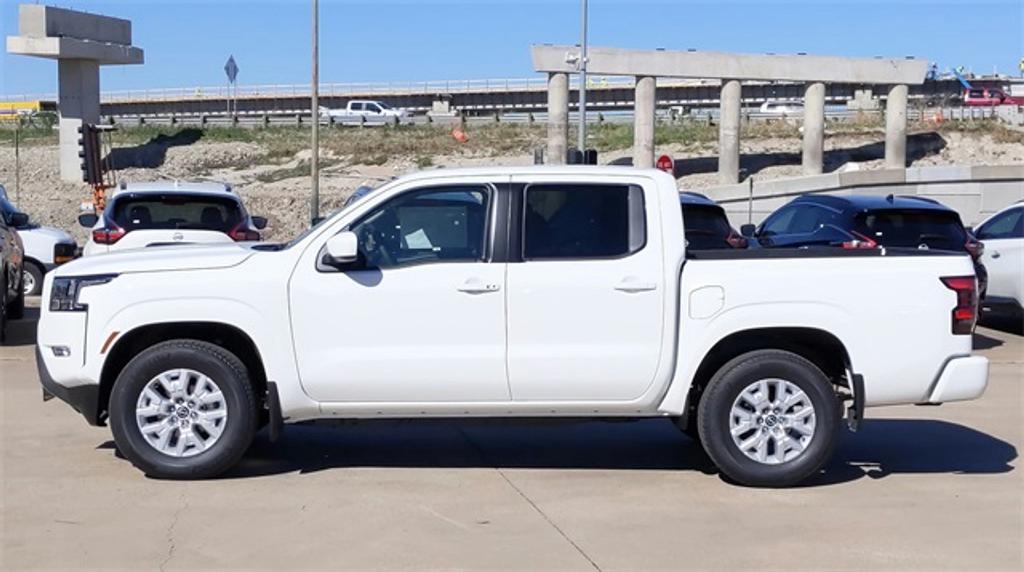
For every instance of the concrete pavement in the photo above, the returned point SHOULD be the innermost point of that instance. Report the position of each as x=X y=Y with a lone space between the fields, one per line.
x=917 y=487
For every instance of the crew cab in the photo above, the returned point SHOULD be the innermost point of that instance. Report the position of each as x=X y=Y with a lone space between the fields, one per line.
x=159 y=213
x=555 y=292
x=365 y=111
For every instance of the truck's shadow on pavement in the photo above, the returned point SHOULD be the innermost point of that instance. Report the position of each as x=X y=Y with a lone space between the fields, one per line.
x=880 y=448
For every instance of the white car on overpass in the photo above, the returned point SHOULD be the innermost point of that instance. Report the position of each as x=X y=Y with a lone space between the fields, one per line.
x=1003 y=237
x=558 y=292
x=162 y=213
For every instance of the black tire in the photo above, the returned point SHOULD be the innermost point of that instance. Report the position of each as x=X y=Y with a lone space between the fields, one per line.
x=16 y=307
x=219 y=365
x=3 y=308
x=715 y=408
x=37 y=273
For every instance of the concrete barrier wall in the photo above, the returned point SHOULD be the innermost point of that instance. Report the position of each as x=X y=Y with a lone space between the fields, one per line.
x=974 y=192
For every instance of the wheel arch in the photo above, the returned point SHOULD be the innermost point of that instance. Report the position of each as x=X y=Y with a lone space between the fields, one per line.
x=820 y=347
x=131 y=343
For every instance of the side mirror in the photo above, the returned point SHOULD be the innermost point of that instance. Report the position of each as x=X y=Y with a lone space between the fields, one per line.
x=18 y=220
x=748 y=230
x=342 y=248
x=260 y=222
x=88 y=220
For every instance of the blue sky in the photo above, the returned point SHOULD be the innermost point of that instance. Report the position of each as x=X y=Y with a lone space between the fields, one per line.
x=187 y=42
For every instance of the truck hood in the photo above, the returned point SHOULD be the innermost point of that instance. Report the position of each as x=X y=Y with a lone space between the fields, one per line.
x=48 y=233
x=159 y=259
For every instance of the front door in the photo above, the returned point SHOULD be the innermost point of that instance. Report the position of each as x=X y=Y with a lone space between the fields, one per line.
x=1003 y=237
x=419 y=318
x=586 y=297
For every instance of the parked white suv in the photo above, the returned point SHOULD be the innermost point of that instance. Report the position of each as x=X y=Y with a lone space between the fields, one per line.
x=45 y=248
x=163 y=213
x=1003 y=237
x=507 y=292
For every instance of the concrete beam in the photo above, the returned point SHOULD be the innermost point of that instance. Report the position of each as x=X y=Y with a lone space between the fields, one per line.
x=47 y=21
x=729 y=133
x=896 y=128
x=643 y=123
x=665 y=63
x=814 y=128
x=558 y=118
x=70 y=48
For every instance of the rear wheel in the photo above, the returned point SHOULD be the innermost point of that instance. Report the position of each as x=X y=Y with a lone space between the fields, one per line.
x=32 y=282
x=769 y=418
x=183 y=409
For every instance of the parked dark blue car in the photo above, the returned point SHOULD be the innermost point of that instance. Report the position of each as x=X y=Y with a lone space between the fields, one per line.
x=860 y=221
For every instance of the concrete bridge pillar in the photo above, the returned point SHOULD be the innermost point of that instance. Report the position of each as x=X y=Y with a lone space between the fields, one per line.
x=643 y=122
x=729 y=132
x=558 y=118
x=78 y=100
x=896 y=127
x=814 y=128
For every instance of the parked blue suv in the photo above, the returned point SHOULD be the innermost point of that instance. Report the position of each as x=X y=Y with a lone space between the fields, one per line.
x=861 y=221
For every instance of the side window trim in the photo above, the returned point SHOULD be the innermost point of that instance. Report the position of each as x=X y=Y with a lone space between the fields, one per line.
x=490 y=195
x=637 y=222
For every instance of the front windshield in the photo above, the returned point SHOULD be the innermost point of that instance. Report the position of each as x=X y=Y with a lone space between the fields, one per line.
x=383 y=105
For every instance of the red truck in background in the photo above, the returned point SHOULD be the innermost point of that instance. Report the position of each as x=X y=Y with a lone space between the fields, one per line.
x=990 y=97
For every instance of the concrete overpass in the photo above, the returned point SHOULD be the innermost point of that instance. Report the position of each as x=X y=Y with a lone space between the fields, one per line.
x=895 y=75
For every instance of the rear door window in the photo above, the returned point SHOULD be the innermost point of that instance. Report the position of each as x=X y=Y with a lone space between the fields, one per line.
x=705 y=227
x=582 y=221
x=914 y=229
x=177 y=211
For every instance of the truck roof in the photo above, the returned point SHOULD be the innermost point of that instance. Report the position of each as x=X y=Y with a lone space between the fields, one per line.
x=173 y=185
x=578 y=170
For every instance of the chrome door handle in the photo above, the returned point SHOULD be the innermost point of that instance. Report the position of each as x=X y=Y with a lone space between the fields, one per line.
x=632 y=286
x=473 y=286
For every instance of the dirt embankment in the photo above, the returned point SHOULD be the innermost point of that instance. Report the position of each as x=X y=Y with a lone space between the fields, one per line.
x=272 y=175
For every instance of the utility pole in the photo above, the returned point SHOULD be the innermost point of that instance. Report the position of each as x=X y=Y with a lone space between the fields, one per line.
x=583 y=80
x=314 y=161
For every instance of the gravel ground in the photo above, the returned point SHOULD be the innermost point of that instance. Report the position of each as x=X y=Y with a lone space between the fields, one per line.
x=279 y=190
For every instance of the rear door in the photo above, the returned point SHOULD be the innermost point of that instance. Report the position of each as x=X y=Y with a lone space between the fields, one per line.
x=801 y=224
x=585 y=290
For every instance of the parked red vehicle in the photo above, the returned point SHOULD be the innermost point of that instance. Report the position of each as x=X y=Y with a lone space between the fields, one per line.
x=990 y=97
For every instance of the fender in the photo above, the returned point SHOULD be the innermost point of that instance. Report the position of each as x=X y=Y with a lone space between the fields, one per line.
x=696 y=340
x=272 y=342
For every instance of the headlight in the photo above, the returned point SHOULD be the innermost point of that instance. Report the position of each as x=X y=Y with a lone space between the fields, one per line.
x=64 y=293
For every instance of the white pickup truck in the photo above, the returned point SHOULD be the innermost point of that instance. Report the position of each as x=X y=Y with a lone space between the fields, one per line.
x=506 y=292
x=359 y=111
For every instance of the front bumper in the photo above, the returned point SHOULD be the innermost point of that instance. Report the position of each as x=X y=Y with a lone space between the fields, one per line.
x=84 y=399
x=963 y=378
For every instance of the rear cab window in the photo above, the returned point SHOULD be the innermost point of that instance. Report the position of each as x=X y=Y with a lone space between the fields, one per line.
x=582 y=221
x=926 y=229
x=176 y=211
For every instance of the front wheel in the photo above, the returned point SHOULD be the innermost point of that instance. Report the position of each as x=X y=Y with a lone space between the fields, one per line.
x=32 y=281
x=769 y=418
x=183 y=409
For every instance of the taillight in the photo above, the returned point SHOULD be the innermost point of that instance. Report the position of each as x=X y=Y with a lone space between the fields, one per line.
x=108 y=235
x=966 y=311
x=736 y=240
x=975 y=248
x=859 y=241
x=243 y=233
